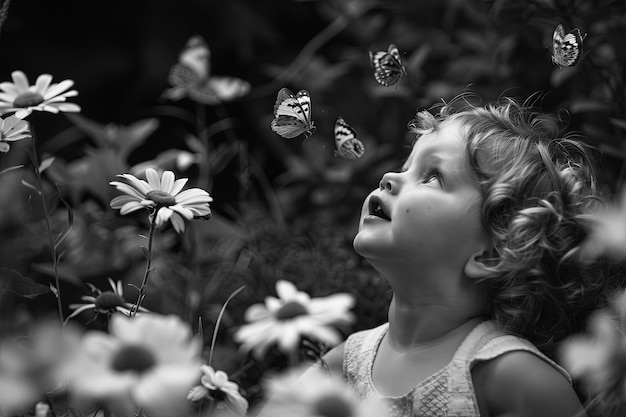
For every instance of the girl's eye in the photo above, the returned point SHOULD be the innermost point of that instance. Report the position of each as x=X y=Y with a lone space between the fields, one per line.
x=431 y=175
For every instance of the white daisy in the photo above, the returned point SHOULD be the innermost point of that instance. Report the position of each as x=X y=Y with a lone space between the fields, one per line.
x=12 y=129
x=163 y=196
x=150 y=361
x=105 y=302
x=284 y=320
x=316 y=394
x=22 y=98
x=216 y=387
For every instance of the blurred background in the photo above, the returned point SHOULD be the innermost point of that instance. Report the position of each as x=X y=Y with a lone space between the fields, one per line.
x=283 y=208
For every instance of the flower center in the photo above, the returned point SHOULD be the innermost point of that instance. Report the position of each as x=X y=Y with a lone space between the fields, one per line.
x=28 y=99
x=133 y=358
x=291 y=310
x=217 y=394
x=332 y=406
x=108 y=300
x=161 y=198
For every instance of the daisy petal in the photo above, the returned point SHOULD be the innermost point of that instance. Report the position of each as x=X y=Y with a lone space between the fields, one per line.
x=183 y=211
x=163 y=215
x=286 y=290
x=42 y=83
x=20 y=80
x=153 y=179
x=167 y=182
x=56 y=89
x=178 y=223
x=178 y=185
x=68 y=107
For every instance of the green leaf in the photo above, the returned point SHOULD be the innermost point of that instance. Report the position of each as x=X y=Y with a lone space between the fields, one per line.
x=46 y=163
x=146 y=252
x=70 y=221
x=10 y=169
x=31 y=186
x=54 y=290
x=219 y=320
x=16 y=283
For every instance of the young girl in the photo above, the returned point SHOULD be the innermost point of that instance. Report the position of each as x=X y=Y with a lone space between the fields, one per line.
x=479 y=237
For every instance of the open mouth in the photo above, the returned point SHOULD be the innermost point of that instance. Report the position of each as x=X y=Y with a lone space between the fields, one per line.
x=376 y=208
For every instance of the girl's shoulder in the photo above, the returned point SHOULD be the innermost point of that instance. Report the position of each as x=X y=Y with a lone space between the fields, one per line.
x=333 y=359
x=521 y=383
x=512 y=377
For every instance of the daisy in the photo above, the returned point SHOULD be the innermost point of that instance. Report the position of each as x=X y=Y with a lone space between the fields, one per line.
x=106 y=302
x=216 y=386
x=12 y=129
x=316 y=394
x=149 y=361
x=284 y=320
x=163 y=197
x=20 y=97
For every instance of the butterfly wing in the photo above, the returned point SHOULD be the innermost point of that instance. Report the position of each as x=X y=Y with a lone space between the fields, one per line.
x=394 y=52
x=288 y=127
x=566 y=48
x=191 y=70
x=292 y=114
x=348 y=146
x=218 y=89
x=388 y=68
x=196 y=56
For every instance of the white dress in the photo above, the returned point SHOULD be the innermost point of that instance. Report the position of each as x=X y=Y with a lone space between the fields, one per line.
x=447 y=392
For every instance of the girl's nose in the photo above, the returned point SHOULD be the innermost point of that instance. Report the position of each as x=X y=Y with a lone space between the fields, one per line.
x=389 y=182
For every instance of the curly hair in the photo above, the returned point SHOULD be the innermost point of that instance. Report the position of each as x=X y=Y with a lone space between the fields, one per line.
x=538 y=188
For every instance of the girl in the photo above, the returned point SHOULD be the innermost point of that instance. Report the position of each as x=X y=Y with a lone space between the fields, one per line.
x=479 y=237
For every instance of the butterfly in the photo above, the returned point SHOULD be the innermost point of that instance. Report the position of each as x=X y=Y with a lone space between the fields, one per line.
x=191 y=76
x=348 y=146
x=566 y=48
x=388 y=68
x=292 y=114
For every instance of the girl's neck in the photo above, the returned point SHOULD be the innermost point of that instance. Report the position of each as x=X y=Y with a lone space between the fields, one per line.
x=415 y=327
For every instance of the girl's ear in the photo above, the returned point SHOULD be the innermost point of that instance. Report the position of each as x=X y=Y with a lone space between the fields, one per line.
x=477 y=266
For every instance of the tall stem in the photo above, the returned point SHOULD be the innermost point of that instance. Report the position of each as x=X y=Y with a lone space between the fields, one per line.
x=144 y=282
x=44 y=205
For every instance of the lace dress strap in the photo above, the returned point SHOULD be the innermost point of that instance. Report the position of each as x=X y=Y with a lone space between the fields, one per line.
x=358 y=358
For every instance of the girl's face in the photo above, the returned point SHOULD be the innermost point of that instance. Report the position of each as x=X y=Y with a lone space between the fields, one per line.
x=427 y=215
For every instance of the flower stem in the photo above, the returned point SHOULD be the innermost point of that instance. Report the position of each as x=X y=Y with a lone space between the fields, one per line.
x=46 y=214
x=293 y=357
x=212 y=407
x=144 y=283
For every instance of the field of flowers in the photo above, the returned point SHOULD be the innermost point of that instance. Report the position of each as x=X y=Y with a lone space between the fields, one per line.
x=173 y=245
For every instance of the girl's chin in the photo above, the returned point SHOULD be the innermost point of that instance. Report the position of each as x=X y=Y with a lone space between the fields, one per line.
x=365 y=245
